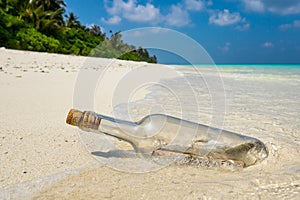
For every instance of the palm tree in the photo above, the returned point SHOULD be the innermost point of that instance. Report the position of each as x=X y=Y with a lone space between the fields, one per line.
x=44 y=19
x=54 y=9
x=95 y=30
x=15 y=7
x=49 y=4
x=3 y=4
x=59 y=7
x=55 y=4
x=72 y=21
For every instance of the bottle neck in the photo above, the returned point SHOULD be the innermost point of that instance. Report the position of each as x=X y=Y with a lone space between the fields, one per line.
x=121 y=129
x=114 y=120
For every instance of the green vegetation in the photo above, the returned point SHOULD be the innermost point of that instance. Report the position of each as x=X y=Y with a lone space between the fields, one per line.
x=41 y=25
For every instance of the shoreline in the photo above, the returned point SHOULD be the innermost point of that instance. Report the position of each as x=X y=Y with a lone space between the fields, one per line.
x=37 y=91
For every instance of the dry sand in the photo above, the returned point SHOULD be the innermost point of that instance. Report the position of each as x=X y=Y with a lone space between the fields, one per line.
x=43 y=158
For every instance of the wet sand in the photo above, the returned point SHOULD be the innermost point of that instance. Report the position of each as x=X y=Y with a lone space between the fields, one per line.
x=43 y=158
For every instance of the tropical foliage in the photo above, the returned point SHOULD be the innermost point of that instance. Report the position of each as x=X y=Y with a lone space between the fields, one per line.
x=43 y=25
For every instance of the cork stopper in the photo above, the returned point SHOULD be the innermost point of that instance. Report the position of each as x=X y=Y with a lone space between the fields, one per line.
x=74 y=117
x=84 y=120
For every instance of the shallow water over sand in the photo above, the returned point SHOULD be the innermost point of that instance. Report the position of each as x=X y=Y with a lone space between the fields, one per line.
x=261 y=103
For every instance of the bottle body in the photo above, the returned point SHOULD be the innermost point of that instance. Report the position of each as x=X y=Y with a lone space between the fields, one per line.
x=167 y=133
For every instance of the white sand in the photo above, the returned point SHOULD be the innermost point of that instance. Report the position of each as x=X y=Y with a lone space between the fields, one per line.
x=39 y=152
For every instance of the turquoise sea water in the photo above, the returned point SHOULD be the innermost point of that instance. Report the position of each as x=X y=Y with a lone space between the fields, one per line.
x=278 y=66
x=268 y=70
x=250 y=65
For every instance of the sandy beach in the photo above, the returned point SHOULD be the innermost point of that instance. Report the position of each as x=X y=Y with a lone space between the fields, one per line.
x=42 y=157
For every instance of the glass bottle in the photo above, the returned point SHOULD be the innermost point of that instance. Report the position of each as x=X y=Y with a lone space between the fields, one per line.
x=163 y=133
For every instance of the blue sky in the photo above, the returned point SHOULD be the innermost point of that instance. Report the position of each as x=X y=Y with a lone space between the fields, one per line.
x=231 y=31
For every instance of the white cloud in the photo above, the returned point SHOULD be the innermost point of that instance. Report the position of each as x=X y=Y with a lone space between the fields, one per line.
x=226 y=47
x=177 y=16
x=112 y=21
x=286 y=10
x=209 y=3
x=284 y=27
x=140 y=13
x=254 y=5
x=243 y=27
x=224 y=18
x=295 y=24
x=194 y=5
x=180 y=13
x=132 y=11
x=268 y=45
x=119 y=6
x=282 y=7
